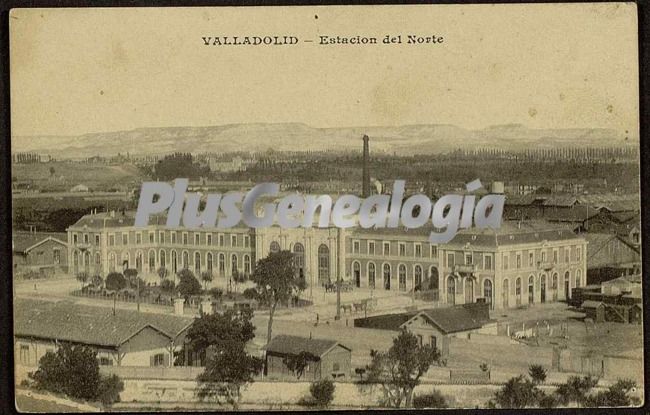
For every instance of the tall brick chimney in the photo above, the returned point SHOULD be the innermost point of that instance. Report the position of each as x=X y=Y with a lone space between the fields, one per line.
x=365 y=190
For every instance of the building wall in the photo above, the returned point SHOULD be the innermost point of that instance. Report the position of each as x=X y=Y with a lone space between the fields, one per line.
x=50 y=254
x=276 y=369
x=407 y=258
x=28 y=352
x=337 y=361
x=549 y=275
x=424 y=330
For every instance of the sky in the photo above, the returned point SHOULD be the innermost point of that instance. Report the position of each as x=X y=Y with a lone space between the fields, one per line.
x=76 y=71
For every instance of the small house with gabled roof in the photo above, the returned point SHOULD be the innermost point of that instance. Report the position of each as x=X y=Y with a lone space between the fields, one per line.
x=326 y=359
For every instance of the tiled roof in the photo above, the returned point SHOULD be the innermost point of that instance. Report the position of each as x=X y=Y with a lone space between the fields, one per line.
x=21 y=241
x=66 y=321
x=454 y=319
x=117 y=219
x=578 y=213
x=513 y=233
x=293 y=345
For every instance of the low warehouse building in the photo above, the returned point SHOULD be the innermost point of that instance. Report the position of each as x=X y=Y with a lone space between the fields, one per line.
x=327 y=359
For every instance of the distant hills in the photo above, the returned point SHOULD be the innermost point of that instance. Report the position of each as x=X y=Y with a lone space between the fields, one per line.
x=407 y=139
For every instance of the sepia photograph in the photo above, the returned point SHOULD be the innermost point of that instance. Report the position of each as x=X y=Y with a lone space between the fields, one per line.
x=309 y=208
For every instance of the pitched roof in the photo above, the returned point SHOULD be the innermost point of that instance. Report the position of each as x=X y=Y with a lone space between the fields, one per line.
x=513 y=233
x=23 y=241
x=591 y=304
x=453 y=319
x=66 y=321
x=293 y=345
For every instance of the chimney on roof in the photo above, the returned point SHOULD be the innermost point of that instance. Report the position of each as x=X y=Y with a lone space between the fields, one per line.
x=179 y=306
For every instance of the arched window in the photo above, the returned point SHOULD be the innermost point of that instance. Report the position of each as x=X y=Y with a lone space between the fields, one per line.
x=518 y=290
x=174 y=262
x=531 y=289
x=554 y=281
x=542 y=288
x=197 y=264
x=186 y=260
x=386 y=276
x=152 y=261
x=98 y=258
x=505 y=293
x=208 y=261
x=451 y=290
x=469 y=290
x=372 y=271
x=567 y=285
x=275 y=247
x=87 y=261
x=126 y=260
x=138 y=262
x=222 y=264
x=233 y=264
x=487 y=291
x=299 y=259
x=112 y=262
x=433 y=278
x=417 y=275
x=356 y=273
x=323 y=263
x=163 y=259
x=402 y=277
x=247 y=264
x=578 y=275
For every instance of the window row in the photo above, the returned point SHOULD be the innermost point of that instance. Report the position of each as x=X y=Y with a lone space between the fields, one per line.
x=388 y=248
x=183 y=238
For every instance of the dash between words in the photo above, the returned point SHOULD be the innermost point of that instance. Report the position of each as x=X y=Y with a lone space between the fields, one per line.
x=321 y=40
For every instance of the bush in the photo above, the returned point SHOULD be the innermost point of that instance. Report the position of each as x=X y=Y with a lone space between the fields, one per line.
x=537 y=373
x=115 y=281
x=188 y=285
x=167 y=286
x=250 y=294
x=109 y=389
x=322 y=393
x=433 y=399
x=215 y=293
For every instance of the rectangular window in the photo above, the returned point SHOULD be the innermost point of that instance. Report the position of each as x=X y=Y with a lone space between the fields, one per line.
x=161 y=237
x=111 y=240
x=505 y=261
x=233 y=240
x=468 y=259
x=97 y=240
x=185 y=239
x=125 y=239
x=555 y=257
x=386 y=248
x=86 y=240
x=432 y=342
x=543 y=256
x=221 y=240
x=579 y=254
x=531 y=259
x=371 y=247
x=567 y=253
x=151 y=237
x=488 y=262
x=356 y=247
x=159 y=359
x=208 y=239
x=518 y=261
x=57 y=256
x=197 y=239
x=173 y=237
x=418 y=250
x=451 y=260
x=105 y=361
x=434 y=251
x=138 y=238
x=247 y=241
x=420 y=341
x=402 y=249
x=74 y=238
x=24 y=354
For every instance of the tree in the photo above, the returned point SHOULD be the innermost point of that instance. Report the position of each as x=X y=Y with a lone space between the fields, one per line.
x=537 y=373
x=518 y=392
x=83 y=278
x=97 y=280
x=399 y=369
x=220 y=331
x=575 y=390
x=276 y=281
x=298 y=363
x=163 y=273
x=322 y=393
x=617 y=395
x=131 y=275
x=206 y=277
x=433 y=399
x=74 y=371
x=188 y=285
x=115 y=281
x=226 y=373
